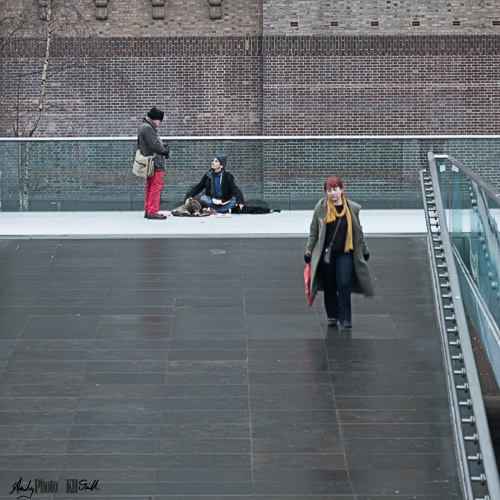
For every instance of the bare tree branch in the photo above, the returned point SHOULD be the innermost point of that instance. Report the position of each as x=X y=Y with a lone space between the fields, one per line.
x=45 y=66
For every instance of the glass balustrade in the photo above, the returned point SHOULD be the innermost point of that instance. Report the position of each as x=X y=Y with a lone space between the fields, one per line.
x=472 y=210
x=286 y=172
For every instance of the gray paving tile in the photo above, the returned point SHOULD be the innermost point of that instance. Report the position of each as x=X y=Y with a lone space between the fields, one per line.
x=120 y=404
x=312 y=332
x=297 y=446
x=217 y=489
x=206 y=431
x=33 y=391
x=231 y=323
x=29 y=354
x=369 y=402
x=143 y=374
x=214 y=310
x=112 y=417
x=203 y=475
x=42 y=378
x=129 y=367
x=148 y=343
x=35 y=431
x=34 y=404
x=115 y=378
x=114 y=431
x=116 y=461
x=308 y=489
x=207 y=355
x=61 y=327
x=204 y=446
x=202 y=417
x=136 y=319
x=124 y=476
x=122 y=391
x=51 y=366
x=32 y=462
x=206 y=335
x=285 y=397
x=115 y=446
x=205 y=404
x=35 y=417
x=292 y=377
x=215 y=344
x=208 y=366
x=207 y=378
x=281 y=322
x=225 y=461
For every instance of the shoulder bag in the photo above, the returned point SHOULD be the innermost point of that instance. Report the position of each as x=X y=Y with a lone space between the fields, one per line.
x=144 y=166
x=328 y=250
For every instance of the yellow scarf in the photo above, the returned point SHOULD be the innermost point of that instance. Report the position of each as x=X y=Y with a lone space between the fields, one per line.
x=332 y=215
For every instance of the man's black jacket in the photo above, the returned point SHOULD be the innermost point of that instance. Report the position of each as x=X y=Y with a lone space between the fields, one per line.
x=227 y=189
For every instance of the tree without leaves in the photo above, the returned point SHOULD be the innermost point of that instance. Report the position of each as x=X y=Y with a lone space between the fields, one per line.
x=24 y=24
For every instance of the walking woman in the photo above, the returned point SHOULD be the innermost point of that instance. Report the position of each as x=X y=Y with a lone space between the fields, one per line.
x=338 y=253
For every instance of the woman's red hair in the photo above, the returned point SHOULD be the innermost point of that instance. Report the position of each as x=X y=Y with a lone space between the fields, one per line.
x=333 y=182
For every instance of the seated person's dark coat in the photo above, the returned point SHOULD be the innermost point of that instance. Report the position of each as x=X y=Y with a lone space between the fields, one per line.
x=227 y=190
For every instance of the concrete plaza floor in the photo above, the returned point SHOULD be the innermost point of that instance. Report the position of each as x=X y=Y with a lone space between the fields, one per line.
x=190 y=367
x=132 y=224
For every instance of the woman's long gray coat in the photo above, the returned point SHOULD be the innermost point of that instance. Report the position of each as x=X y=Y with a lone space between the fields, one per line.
x=361 y=280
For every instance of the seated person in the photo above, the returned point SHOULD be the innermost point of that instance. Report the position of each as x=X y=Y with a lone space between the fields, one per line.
x=221 y=192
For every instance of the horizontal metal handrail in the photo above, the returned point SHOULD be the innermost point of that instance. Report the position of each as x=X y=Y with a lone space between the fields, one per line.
x=462 y=332
x=250 y=138
x=494 y=193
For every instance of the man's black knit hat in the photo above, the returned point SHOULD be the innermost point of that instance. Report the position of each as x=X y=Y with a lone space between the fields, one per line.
x=156 y=114
x=222 y=159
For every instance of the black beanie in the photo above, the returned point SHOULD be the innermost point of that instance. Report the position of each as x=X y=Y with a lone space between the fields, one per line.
x=156 y=114
x=222 y=159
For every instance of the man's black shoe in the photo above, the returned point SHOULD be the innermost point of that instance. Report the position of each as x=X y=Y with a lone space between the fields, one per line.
x=346 y=324
x=332 y=321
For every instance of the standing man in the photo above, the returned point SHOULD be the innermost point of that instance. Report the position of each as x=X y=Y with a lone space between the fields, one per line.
x=221 y=192
x=149 y=143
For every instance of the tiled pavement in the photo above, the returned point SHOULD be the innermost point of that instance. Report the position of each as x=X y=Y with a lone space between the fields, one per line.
x=193 y=368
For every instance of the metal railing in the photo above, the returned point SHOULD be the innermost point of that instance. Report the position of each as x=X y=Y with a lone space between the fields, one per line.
x=476 y=459
x=473 y=207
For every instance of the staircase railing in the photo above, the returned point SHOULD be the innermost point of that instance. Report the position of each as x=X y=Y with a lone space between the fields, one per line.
x=476 y=459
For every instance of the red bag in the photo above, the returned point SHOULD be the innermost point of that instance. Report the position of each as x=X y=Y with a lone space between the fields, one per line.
x=307 y=281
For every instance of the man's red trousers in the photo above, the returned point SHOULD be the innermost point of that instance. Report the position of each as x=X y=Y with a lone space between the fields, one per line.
x=153 y=190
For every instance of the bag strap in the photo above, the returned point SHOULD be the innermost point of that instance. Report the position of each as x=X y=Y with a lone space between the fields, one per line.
x=335 y=233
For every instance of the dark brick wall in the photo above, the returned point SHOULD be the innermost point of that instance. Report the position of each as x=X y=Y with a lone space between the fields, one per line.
x=378 y=173
x=266 y=86
x=96 y=175
x=128 y=18
x=207 y=86
x=214 y=86
x=381 y=85
x=256 y=17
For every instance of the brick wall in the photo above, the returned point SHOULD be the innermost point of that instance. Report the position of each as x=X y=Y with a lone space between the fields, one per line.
x=96 y=175
x=380 y=17
x=271 y=85
x=206 y=86
x=134 y=18
x=378 y=173
x=251 y=73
